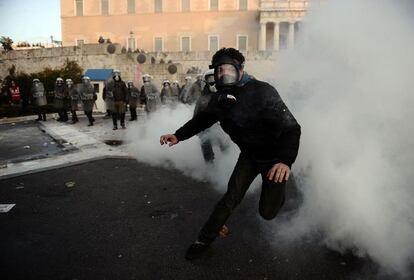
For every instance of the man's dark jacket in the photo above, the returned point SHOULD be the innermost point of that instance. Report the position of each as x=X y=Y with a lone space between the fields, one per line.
x=259 y=123
x=119 y=90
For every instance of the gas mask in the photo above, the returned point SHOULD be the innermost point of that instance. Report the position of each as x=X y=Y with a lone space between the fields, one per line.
x=59 y=82
x=69 y=83
x=86 y=80
x=146 y=79
x=227 y=75
x=226 y=72
x=117 y=75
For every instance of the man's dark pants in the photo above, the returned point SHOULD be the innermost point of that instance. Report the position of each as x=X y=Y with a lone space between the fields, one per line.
x=272 y=196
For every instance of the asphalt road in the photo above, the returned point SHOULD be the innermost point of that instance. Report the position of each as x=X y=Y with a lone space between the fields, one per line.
x=25 y=140
x=126 y=220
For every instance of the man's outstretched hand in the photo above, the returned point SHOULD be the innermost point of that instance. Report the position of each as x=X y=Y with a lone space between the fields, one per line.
x=278 y=172
x=169 y=139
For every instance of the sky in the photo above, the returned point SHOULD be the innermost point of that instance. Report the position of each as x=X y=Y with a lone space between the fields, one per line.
x=29 y=20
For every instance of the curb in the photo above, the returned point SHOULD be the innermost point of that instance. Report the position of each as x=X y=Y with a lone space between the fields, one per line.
x=63 y=165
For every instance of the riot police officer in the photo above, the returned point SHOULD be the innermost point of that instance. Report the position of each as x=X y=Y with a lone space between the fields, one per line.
x=39 y=101
x=74 y=99
x=185 y=90
x=88 y=96
x=175 y=87
x=195 y=90
x=133 y=99
x=60 y=100
x=166 y=92
x=117 y=91
x=151 y=94
x=208 y=92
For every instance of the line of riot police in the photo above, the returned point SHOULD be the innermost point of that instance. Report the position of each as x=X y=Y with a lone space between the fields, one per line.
x=67 y=97
x=118 y=96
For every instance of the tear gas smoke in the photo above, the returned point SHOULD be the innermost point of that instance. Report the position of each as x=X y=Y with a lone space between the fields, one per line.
x=187 y=157
x=349 y=83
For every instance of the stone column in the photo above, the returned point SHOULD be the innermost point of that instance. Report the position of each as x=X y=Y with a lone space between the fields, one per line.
x=276 y=36
x=262 y=37
x=291 y=39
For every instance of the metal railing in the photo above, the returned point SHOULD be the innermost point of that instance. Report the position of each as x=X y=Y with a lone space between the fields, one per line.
x=283 y=5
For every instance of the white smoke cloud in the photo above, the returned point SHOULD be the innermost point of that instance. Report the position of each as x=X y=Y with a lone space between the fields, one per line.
x=143 y=139
x=350 y=86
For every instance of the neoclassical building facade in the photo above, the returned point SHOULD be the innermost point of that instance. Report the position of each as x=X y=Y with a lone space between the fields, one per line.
x=184 y=25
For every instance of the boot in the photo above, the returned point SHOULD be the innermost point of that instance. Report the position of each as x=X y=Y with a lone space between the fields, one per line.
x=89 y=115
x=114 y=120
x=74 y=117
x=44 y=117
x=123 y=120
x=65 y=116
x=108 y=114
x=39 y=117
x=133 y=114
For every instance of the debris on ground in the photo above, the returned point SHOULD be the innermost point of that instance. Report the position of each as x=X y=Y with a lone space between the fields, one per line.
x=70 y=184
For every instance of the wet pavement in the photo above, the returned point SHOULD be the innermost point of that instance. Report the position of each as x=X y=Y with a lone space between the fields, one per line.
x=121 y=219
x=23 y=141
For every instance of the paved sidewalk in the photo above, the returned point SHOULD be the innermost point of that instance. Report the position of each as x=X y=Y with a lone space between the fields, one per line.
x=81 y=143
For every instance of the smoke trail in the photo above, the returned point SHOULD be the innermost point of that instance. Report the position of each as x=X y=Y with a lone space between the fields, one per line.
x=143 y=139
x=350 y=87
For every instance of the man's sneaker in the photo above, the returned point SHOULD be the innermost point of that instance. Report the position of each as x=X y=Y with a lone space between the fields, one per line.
x=196 y=250
x=115 y=127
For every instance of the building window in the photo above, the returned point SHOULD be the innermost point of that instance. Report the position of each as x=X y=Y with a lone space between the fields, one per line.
x=242 y=5
x=158 y=44
x=213 y=43
x=242 y=43
x=214 y=5
x=131 y=6
x=80 y=42
x=185 y=44
x=185 y=5
x=79 y=7
x=131 y=44
x=158 y=6
x=104 y=7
